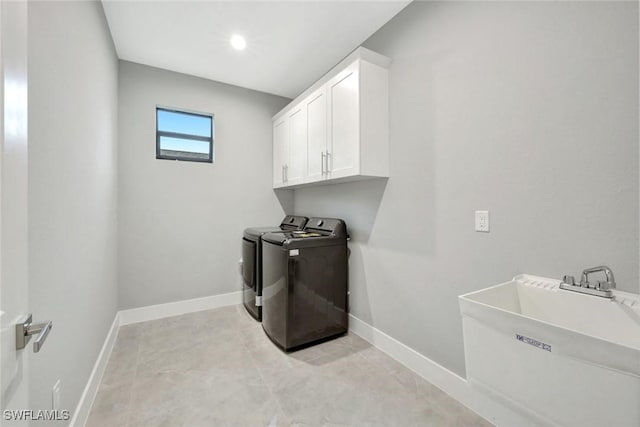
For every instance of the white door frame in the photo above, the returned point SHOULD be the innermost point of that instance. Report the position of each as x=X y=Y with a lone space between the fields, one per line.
x=13 y=202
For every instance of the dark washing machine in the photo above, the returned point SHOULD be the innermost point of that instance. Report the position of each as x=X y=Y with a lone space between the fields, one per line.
x=252 y=261
x=305 y=283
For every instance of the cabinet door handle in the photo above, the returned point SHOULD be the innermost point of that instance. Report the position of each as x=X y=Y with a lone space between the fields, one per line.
x=322 y=162
x=328 y=154
x=286 y=173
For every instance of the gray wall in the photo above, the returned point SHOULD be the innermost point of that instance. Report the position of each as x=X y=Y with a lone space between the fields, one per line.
x=72 y=192
x=529 y=110
x=180 y=222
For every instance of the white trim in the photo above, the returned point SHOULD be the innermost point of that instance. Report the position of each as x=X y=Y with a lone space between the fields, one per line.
x=88 y=395
x=454 y=385
x=159 y=311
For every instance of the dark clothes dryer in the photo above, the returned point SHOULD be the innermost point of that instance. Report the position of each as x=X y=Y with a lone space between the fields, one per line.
x=305 y=284
x=252 y=261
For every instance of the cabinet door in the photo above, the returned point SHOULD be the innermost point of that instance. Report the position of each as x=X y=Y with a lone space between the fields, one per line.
x=316 y=135
x=296 y=163
x=344 y=123
x=280 y=151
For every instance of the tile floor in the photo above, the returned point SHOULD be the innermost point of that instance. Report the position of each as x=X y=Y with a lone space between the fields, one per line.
x=217 y=368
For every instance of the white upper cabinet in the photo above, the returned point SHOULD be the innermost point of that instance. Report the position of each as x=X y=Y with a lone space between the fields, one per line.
x=316 y=134
x=296 y=163
x=289 y=148
x=280 y=151
x=338 y=129
x=344 y=124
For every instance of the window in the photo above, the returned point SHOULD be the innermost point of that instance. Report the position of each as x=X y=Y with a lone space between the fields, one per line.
x=182 y=135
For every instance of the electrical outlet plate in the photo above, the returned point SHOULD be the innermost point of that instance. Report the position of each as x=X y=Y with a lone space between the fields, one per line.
x=55 y=396
x=482 y=221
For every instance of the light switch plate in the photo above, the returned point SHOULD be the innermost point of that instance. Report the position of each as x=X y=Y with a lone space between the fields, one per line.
x=482 y=221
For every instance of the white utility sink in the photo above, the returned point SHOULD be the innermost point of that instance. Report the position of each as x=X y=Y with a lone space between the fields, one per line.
x=560 y=357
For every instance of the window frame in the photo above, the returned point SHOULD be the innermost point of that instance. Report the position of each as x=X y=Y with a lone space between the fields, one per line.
x=160 y=134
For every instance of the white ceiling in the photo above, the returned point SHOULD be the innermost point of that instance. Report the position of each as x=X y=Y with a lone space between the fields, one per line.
x=290 y=44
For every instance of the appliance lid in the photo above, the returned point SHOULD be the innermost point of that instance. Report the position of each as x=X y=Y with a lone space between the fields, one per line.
x=322 y=232
x=289 y=222
x=254 y=233
x=276 y=238
x=282 y=237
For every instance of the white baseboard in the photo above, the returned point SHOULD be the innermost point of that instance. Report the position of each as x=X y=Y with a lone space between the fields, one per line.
x=135 y=315
x=454 y=385
x=159 y=311
x=81 y=413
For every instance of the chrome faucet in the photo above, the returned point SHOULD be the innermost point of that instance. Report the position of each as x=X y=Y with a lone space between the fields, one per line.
x=609 y=284
x=601 y=288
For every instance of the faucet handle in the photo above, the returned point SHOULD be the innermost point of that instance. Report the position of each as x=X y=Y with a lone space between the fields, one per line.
x=569 y=280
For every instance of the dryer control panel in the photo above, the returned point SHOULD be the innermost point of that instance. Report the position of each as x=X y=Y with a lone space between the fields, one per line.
x=333 y=226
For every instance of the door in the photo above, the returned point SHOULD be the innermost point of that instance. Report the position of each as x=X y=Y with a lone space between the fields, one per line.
x=344 y=141
x=295 y=167
x=280 y=151
x=13 y=201
x=316 y=135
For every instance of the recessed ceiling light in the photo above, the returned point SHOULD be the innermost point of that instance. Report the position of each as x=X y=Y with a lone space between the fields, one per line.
x=238 y=42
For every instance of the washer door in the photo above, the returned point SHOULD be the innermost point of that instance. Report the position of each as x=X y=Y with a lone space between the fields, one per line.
x=249 y=263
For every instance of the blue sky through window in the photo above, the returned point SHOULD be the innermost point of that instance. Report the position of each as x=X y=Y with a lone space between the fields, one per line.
x=173 y=121
x=188 y=124
x=189 y=145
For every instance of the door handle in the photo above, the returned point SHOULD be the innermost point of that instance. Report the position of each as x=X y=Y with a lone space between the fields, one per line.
x=327 y=156
x=25 y=329
x=322 y=162
x=286 y=173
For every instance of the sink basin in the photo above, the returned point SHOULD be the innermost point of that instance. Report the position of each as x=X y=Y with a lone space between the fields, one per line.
x=562 y=358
